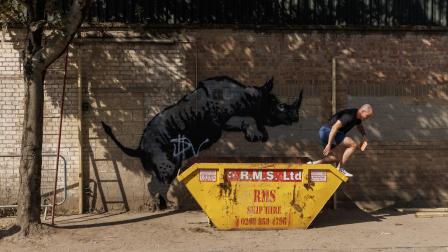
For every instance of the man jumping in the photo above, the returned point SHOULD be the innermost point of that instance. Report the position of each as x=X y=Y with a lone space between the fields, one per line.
x=338 y=146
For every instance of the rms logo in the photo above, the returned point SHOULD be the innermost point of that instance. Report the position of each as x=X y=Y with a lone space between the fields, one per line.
x=264 y=175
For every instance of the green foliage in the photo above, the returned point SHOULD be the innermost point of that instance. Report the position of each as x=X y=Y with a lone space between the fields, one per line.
x=54 y=12
x=12 y=12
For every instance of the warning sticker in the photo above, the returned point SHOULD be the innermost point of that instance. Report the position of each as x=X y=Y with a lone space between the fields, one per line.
x=207 y=175
x=318 y=176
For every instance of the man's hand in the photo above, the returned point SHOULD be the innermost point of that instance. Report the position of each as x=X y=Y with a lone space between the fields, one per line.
x=326 y=150
x=363 y=145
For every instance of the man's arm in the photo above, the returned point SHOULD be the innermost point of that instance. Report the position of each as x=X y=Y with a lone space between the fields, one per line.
x=331 y=136
x=362 y=131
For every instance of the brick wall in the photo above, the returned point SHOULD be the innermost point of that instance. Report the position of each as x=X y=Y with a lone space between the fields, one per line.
x=11 y=114
x=130 y=76
x=125 y=94
x=10 y=118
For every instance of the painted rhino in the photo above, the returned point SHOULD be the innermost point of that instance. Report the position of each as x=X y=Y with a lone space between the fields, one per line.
x=197 y=120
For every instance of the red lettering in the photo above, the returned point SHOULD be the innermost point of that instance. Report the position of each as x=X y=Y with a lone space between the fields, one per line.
x=248 y=221
x=280 y=221
x=272 y=194
x=264 y=195
x=272 y=210
x=257 y=196
x=254 y=209
x=263 y=221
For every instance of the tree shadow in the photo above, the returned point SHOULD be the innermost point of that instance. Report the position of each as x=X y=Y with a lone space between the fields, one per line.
x=407 y=133
x=113 y=223
x=349 y=212
x=329 y=217
x=351 y=215
x=86 y=218
x=14 y=229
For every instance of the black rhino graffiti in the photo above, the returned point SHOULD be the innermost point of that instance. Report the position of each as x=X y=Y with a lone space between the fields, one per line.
x=197 y=121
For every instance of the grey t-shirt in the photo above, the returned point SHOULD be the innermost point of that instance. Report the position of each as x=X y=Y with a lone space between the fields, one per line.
x=347 y=118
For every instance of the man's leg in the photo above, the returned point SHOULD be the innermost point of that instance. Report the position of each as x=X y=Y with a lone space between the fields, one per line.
x=350 y=147
x=336 y=153
x=333 y=157
x=330 y=158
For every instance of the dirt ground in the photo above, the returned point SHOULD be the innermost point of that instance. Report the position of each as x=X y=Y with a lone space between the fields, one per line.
x=337 y=230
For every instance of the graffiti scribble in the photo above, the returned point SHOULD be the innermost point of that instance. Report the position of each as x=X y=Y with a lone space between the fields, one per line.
x=182 y=144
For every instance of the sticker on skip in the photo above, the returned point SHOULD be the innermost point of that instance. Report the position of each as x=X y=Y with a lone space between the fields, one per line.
x=318 y=176
x=207 y=175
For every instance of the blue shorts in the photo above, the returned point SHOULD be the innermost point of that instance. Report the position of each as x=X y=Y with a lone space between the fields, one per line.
x=324 y=132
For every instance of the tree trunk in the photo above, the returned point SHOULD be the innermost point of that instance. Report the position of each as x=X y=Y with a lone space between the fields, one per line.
x=37 y=58
x=29 y=199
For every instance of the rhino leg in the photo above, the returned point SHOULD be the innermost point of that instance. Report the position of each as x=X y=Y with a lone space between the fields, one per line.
x=248 y=125
x=163 y=170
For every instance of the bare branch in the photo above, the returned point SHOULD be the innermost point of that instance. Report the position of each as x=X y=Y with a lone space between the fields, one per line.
x=24 y=3
x=34 y=26
x=59 y=42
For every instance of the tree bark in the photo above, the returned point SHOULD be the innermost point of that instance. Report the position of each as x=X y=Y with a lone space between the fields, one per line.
x=37 y=58
x=29 y=201
x=29 y=198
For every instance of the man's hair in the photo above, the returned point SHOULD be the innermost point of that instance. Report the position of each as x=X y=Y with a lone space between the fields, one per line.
x=366 y=107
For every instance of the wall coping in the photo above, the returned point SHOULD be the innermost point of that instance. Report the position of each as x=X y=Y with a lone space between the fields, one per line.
x=258 y=27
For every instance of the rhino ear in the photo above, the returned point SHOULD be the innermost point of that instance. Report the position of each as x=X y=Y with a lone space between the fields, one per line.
x=268 y=86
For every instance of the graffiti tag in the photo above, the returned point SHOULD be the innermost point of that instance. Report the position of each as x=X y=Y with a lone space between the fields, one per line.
x=182 y=144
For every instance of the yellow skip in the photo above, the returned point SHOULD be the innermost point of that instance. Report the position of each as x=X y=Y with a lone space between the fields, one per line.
x=261 y=195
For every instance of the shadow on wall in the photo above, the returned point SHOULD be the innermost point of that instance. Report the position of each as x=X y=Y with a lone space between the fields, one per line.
x=126 y=95
x=403 y=166
x=126 y=84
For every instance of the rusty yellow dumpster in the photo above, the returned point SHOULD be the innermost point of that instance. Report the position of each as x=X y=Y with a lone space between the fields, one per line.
x=261 y=193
